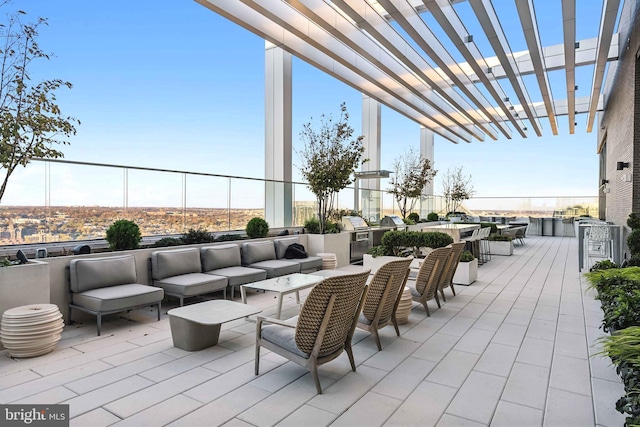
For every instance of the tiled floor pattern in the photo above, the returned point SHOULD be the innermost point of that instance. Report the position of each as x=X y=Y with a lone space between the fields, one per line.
x=514 y=349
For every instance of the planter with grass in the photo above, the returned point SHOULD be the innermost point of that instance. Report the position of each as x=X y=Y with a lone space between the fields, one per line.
x=467 y=270
x=501 y=245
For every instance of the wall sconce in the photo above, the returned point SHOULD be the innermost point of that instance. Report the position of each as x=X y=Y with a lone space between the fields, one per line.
x=604 y=181
x=622 y=165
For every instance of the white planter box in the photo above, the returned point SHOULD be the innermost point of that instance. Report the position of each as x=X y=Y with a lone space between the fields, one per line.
x=24 y=285
x=466 y=273
x=337 y=243
x=501 y=248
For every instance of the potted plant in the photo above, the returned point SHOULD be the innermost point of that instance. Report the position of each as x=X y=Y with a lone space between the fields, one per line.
x=467 y=270
x=124 y=235
x=257 y=228
x=501 y=245
x=412 y=173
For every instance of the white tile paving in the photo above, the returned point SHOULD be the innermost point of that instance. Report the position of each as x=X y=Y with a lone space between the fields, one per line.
x=514 y=348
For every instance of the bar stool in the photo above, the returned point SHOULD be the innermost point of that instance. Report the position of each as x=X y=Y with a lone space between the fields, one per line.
x=485 y=246
x=473 y=244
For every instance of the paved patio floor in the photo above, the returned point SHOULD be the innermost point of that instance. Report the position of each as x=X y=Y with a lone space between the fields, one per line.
x=513 y=349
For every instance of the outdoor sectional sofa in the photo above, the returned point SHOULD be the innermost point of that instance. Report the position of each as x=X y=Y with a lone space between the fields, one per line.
x=179 y=273
x=108 y=285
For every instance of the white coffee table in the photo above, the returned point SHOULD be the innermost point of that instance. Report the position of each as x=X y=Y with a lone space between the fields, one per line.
x=197 y=326
x=283 y=285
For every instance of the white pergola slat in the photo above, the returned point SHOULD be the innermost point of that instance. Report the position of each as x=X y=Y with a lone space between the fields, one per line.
x=607 y=23
x=387 y=50
x=530 y=28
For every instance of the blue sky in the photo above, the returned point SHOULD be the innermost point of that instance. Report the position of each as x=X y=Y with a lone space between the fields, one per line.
x=170 y=84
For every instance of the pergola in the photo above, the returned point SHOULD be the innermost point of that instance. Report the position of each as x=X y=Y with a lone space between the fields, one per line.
x=387 y=50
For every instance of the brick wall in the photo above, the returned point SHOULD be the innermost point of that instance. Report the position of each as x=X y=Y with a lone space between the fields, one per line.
x=620 y=122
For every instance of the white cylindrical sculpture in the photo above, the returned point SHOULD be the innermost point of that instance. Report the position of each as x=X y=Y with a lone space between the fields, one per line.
x=329 y=260
x=31 y=330
x=404 y=306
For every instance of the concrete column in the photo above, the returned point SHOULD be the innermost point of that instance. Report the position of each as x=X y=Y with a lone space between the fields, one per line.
x=428 y=204
x=278 y=147
x=370 y=201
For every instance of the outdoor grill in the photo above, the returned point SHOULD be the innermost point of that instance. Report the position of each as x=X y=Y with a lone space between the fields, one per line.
x=393 y=221
x=360 y=236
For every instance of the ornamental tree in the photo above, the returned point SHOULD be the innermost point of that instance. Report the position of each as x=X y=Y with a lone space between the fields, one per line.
x=329 y=159
x=31 y=122
x=412 y=173
x=456 y=187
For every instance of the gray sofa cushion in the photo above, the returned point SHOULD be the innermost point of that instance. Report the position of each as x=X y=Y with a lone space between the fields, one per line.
x=283 y=244
x=192 y=284
x=253 y=252
x=309 y=263
x=175 y=262
x=116 y=298
x=240 y=275
x=93 y=273
x=276 y=268
x=215 y=257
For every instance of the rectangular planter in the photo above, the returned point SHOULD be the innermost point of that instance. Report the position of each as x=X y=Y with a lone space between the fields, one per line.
x=337 y=243
x=501 y=248
x=466 y=273
x=24 y=285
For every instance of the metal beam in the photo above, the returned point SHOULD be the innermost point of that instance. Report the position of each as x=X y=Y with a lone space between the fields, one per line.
x=292 y=21
x=260 y=25
x=486 y=14
x=569 y=31
x=554 y=58
x=450 y=22
x=407 y=17
x=607 y=23
x=326 y=17
x=530 y=28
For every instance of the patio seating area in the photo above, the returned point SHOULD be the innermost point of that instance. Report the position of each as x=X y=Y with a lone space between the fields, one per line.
x=514 y=348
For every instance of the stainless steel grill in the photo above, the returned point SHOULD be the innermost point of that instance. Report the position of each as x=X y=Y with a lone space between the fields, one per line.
x=361 y=240
x=393 y=221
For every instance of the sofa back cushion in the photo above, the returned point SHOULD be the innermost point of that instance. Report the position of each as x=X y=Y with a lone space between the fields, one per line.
x=283 y=244
x=94 y=273
x=253 y=252
x=223 y=256
x=174 y=262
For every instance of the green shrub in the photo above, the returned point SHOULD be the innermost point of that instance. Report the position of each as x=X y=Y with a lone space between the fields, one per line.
x=378 y=250
x=605 y=264
x=312 y=225
x=623 y=347
x=227 y=237
x=257 y=227
x=500 y=238
x=633 y=241
x=167 y=241
x=123 y=235
x=408 y=221
x=192 y=237
x=432 y=216
x=619 y=294
x=633 y=222
x=634 y=261
x=414 y=216
x=332 y=227
x=494 y=227
x=401 y=243
x=467 y=257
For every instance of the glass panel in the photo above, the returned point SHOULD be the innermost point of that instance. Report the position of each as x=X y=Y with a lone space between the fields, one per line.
x=247 y=201
x=207 y=198
x=155 y=202
x=304 y=205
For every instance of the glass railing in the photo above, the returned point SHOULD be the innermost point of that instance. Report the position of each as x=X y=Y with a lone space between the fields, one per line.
x=59 y=200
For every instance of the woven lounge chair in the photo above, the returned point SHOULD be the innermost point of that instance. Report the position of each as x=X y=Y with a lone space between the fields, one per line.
x=446 y=278
x=383 y=297
x=324 y=327
x=428 y=278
